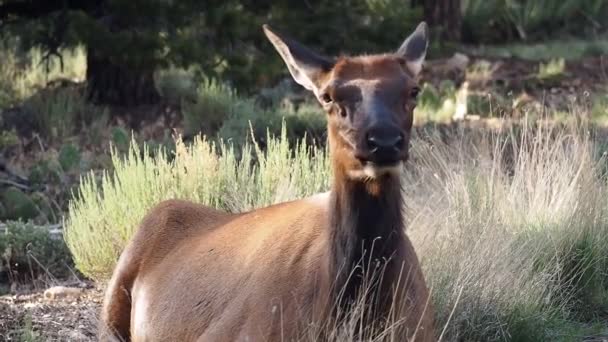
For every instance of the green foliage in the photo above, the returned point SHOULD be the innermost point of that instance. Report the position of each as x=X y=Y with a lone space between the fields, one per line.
x=27 y=333
x=599 y=108
x=436 y=104
x=552 y=69
x=500 y=20
x=176 y=85
x=568 y=49
x=24 y=73
x=8 y=139
x=58 y=113
x=52 y=176
x=480 y=104
x=305 y=121
x=55 y=113
x=329 y=27
x=46 y=170
x=30 y=253
x=15 y=204
x=139 y=35
x=214 y=104
x=308 y=119
x=120 y=138
x=218 y=111
x=224 y=38
x=69 y=157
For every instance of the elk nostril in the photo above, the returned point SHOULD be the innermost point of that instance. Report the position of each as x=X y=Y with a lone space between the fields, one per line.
x=372 y=143
x=399 y=142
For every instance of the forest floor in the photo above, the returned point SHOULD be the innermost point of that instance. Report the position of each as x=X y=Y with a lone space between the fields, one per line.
x=34 y=316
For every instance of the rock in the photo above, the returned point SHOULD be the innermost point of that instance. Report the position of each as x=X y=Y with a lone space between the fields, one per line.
x=30 y=305
x=78 y=336
x=458 y=61
x=72 y=335
x=58 y=292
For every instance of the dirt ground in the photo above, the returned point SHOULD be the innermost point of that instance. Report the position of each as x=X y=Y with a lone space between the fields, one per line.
x=35 y=317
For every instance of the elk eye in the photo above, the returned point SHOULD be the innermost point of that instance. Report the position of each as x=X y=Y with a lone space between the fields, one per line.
x=326 y=98
x=414 y=92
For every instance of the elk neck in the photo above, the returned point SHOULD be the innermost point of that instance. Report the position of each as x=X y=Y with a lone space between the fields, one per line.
x=367 y=228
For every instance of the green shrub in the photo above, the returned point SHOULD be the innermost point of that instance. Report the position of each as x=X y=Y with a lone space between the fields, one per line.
x=15 y=204
x=219 y=112
x=120 y=138
x=215 y=103
x=176 y=85
x=203 y=172
x=27 y=332
x=599 y=108
x=569 y=49
x=308 y=119
x=30 y=253
x=69 y=157
x=56 y=112
x=436 y=104
x=8 y=139
x=500 y=20
x=552 y=69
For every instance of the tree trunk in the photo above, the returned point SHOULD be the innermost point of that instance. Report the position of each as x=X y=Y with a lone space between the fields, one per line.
x=444 y=15
x=120 y=85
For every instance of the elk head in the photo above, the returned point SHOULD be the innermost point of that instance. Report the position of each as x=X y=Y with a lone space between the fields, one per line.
x=369 y=101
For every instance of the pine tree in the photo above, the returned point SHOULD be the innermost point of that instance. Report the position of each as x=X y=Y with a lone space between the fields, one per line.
x=126 y=40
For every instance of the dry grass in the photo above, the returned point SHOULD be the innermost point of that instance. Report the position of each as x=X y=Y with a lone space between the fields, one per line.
x=517 y=224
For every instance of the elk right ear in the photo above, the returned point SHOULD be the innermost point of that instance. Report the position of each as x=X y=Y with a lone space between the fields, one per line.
x=414 y=48
x=306 y=67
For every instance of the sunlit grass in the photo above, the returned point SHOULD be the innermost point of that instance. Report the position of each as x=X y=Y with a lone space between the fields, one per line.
x=23 y=74
x=516 y=222
x=553 y=68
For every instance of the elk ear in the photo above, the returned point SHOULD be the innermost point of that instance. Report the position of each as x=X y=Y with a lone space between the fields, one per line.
x=306 y=67
x=414 y=48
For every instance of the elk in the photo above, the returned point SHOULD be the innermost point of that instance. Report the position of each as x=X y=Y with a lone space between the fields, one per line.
x=191 y=272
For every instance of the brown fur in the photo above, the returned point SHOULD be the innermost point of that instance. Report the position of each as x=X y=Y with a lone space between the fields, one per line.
x=195 y=273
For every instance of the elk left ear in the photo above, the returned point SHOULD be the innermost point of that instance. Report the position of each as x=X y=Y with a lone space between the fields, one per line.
x=414 y=48
x=306 y=67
